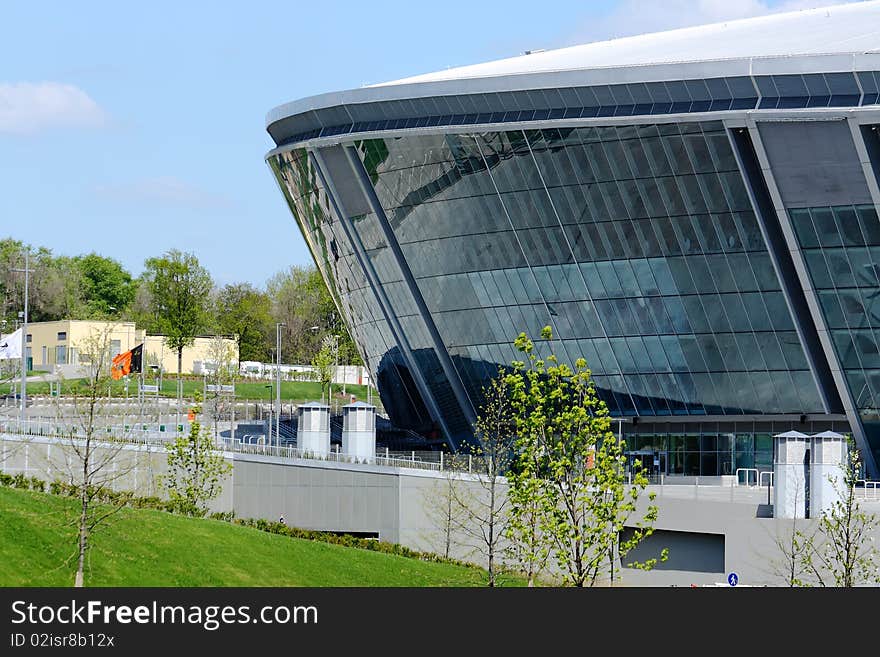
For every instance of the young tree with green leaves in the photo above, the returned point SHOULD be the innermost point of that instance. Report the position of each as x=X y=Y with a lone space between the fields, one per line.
x=486 y=511
x=196 y=469
x=94 y=459
x=572 y=469
x=179 y=293
x=842 y=550
x=529 y=543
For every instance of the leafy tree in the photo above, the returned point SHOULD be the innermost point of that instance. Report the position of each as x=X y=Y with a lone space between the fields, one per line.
x=107 y=288
x=179 y=291
x=246 y=313
x=302 y=301
x=529 y=543
x=842 y=551
x=196 y=469
x=49 y=286
x=572 y=474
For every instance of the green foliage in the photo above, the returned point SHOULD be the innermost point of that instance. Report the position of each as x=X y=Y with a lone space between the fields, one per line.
x=492 y=453
x=245 y=312
x=570 y=494
x=303 y=302
x=195 y=470
x=21 y=481
x=107 y=288
x=842 y=551
x=179 y=291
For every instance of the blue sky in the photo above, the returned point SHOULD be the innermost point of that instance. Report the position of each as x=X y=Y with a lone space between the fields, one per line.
x=129 y=129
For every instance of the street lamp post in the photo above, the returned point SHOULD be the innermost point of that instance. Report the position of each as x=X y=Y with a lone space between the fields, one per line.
x=278 y=326
x=24 y=329
x=269 y=425
x=335 y=361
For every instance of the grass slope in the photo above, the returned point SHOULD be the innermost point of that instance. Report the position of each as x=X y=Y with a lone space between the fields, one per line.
x=291 y=391
x=152 y=548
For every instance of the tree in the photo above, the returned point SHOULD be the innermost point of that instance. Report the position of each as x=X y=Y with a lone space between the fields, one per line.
x=196 y=469
x=842 y=552
x=245 y=312
x=179 y=290
x=573 y=469
x=98 y=455
x=794 y=546
x=441 y=502
x=529 y=544
x=492 y=455
x=221 y=369
x=301 y=300
x=107 y=288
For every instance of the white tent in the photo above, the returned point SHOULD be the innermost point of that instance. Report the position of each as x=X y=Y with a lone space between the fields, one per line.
x=10 y=345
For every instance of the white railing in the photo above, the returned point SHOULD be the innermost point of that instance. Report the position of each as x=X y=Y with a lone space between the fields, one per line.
x=290 y=452
x=868 y=489
x=747 y=472
x=761 y=478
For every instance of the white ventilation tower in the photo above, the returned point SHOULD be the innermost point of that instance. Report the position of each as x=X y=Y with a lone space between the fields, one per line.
x=791 y=471
x=313 y=430
x=359 y=431
x=828 y=460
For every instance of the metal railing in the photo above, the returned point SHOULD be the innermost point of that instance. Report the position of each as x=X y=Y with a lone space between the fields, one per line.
x=334 y=456
x=130 y=432
x=868 y=489
x=748 y=480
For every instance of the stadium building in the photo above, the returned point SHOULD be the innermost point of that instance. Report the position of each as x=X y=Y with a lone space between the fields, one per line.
x=692 y=211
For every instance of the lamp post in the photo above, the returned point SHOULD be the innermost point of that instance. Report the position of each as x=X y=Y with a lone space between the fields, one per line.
x=269 y=425
x=335 y=361
x=278 y=326
x=315 y=329
x=24 y=324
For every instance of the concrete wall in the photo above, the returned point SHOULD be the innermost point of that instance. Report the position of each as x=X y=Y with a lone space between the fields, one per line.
x=318 y=495
x=135 y=468
x=710 y=531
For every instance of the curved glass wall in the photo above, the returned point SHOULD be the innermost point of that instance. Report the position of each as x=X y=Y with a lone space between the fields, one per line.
x=637 y=244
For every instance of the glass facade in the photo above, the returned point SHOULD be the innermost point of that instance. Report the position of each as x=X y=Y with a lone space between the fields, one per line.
x=637 y=242
x=841 y=246
x=336 y=258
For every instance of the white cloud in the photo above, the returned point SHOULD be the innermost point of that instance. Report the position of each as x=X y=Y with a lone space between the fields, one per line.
x=631 y=17
x=31 y=107
x=164 y=191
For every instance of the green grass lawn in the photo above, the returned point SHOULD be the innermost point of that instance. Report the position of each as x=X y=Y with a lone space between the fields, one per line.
x=291 y=391
x=153 y=548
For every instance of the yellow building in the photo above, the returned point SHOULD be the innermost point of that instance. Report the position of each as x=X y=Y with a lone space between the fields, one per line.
x=57 y=346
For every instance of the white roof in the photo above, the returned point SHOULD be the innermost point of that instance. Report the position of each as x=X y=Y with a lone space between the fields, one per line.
x=839 y=29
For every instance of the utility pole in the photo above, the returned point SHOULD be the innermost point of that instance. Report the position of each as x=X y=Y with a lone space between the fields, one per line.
x=278 y=326
x=24 y=329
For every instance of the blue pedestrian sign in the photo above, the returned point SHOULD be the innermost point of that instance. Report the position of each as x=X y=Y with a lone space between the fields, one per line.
x=732 y=579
